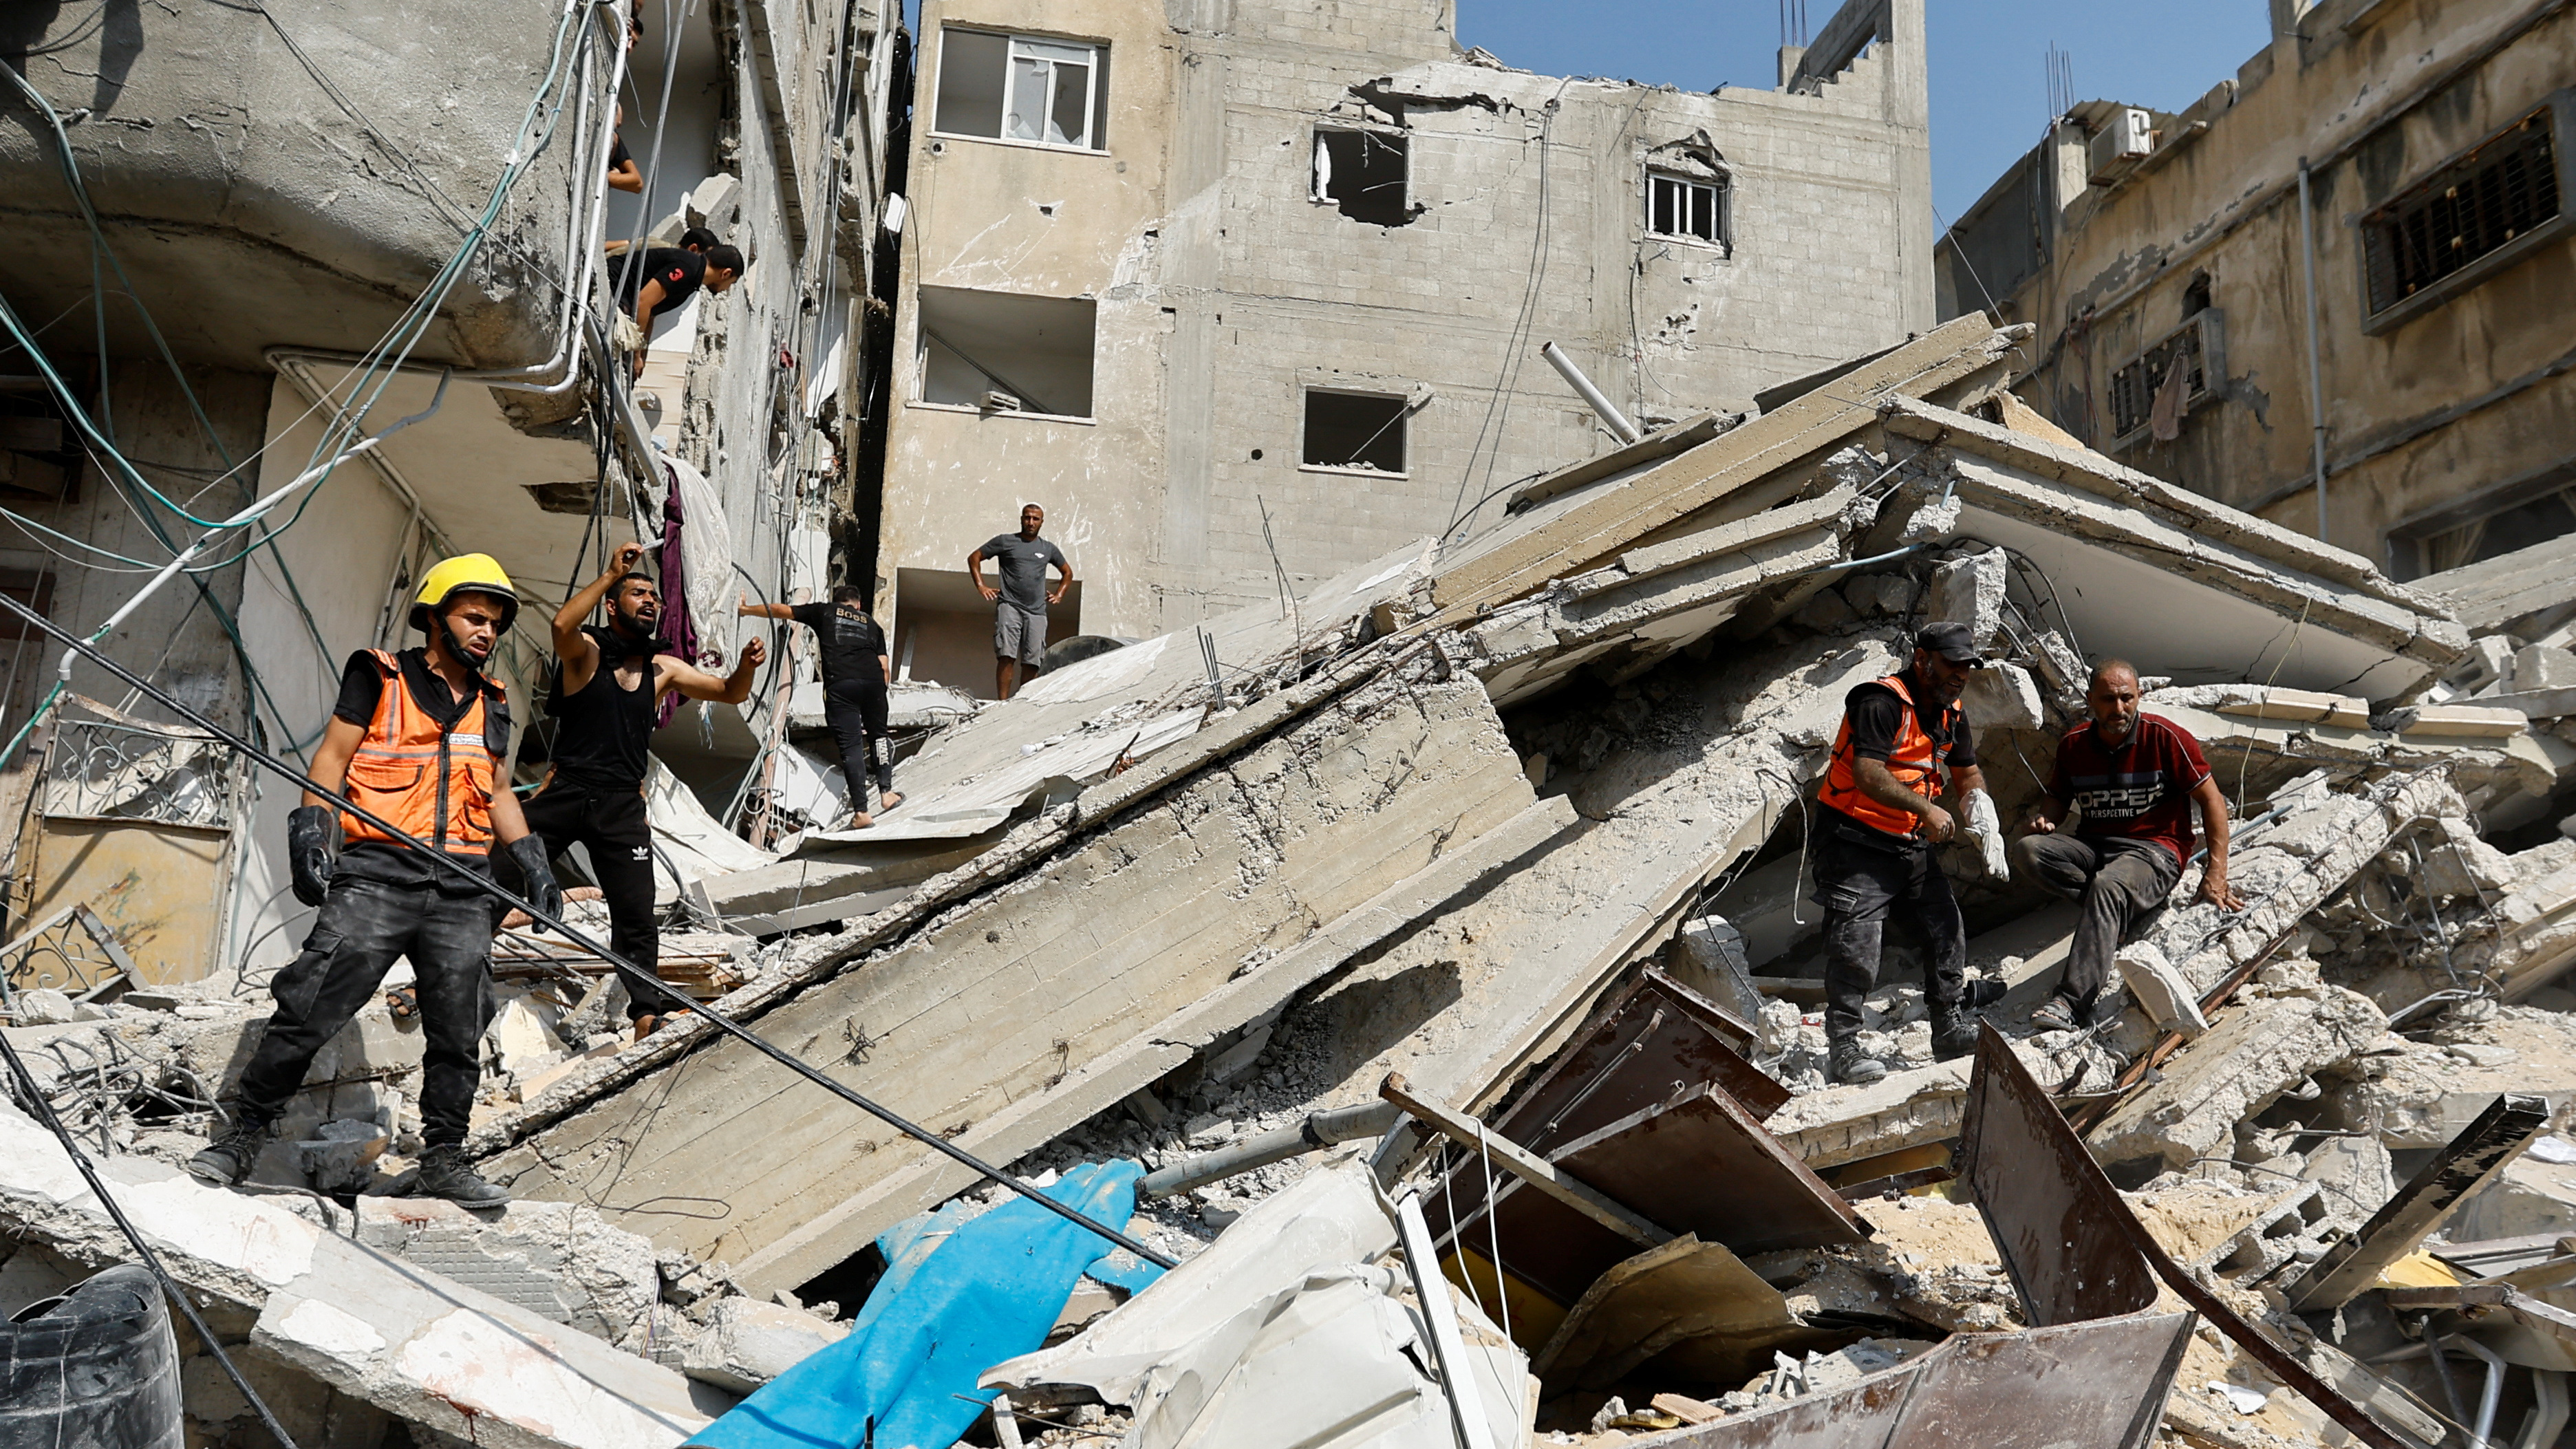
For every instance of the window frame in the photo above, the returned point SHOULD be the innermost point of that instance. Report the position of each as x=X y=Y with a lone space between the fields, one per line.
x=1718 y=191
x=1095 y=100
x=1404 y=410
x=2210 y=326
x=2560 y=107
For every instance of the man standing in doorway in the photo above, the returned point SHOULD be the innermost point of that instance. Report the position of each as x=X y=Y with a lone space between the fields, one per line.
x=420 y=739
x=1874 y=840
x=1020 y=604
x=2135 y=778
x=856 y=674
x=608 y=686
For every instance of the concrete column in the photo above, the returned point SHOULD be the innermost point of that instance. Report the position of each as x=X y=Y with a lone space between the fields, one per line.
x=1909 y=109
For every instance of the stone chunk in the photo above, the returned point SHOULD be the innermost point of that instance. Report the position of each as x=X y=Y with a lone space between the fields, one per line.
x=2538 y=666
x=1970 y=591
x=2003 y=696
x=747 y=1343
x=2256 y=1052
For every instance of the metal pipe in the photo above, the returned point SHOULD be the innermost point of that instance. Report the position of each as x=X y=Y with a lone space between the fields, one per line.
x=2483 y=1433
x=1318 y=1131
x=2316 y=381
x=636 y=975
x=1573 y=375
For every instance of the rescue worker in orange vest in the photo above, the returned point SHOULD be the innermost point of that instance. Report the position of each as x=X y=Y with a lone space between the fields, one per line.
x=420 y=739
x=1874 y=841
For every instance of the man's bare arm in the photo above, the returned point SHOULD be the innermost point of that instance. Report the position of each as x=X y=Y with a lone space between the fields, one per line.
x=745 y=608
x=2213 y=819
x=508 y=822
x=340 y=740
x=1880 y=784
x=975 y=573
x=579 y=656
x=695 y=683
x=1066 y=564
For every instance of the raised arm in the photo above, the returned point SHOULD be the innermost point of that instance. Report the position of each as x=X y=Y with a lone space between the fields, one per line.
x=695 y=683
x=745 y=608
x=579 y=656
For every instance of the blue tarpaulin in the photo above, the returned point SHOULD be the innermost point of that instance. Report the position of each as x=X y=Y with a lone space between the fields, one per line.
x=958 y=1296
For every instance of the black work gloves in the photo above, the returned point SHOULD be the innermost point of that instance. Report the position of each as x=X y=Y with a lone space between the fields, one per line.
x=309 y=829
x=528 y=853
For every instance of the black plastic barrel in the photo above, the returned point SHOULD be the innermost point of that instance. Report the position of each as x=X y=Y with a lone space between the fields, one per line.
x=93 y=1369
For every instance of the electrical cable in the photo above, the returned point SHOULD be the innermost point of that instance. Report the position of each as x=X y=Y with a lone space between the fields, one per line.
x=635 y=975
x=43 y=1110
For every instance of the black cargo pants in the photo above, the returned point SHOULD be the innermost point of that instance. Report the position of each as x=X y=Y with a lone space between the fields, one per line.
x=2116 y=881
x=617 y=830
x=1860 y=885
x=362 y=926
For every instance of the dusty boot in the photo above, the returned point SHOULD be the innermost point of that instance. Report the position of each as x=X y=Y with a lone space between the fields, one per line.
x=1954 y=1032
x=227 y=1159
x=1848 y=1065
x=444 y=1172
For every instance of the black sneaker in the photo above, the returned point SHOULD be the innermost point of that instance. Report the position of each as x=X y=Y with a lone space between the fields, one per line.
x=1847 y=1065
x=228 y=1159
x=444 y=1172
x=1954 y=1035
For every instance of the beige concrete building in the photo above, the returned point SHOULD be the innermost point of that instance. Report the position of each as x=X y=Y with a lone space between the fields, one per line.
x=2389 y=175
x=1248 y=293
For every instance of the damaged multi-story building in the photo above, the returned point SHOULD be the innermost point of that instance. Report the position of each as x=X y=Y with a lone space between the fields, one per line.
x=1245 y=293
x=2331 y=292
x=245 y=238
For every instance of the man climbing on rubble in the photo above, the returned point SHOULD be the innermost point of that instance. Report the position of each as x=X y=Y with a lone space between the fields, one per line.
x=856 y=674
x=1873 y=844
x=420 y=739
x=2134 y=778
x=608 y=687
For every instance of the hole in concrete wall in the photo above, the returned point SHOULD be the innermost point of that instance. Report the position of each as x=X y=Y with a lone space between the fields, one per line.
x=1001 y=351
x=1354 y=430
x=1023 y=88
x=576 y=496
x=1364 y=173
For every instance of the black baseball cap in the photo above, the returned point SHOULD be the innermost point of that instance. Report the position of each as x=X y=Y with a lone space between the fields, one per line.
x=1952 y=642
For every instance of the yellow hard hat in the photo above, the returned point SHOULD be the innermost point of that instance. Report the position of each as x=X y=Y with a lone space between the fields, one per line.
x=467 y=573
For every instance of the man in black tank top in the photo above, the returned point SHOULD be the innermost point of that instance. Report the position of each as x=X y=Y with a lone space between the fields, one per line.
x=608 y=686
x=856 y=673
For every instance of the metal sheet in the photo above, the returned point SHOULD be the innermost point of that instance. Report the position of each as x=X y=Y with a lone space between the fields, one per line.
x=1701 y=1164
x=2483 y=1149
x=2100 y=1384
x=1655 y=1038
x=2056 y=1150
x=2056 y=1228
x=1691 y=1309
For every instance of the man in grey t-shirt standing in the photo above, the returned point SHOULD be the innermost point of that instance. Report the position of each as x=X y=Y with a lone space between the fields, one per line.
x=1020 y=604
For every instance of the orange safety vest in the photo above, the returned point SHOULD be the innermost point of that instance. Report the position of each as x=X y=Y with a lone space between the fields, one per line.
x=434 y=781
x=1911 y=758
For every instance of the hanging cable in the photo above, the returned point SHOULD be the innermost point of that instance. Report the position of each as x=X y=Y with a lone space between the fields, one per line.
x=635 y=975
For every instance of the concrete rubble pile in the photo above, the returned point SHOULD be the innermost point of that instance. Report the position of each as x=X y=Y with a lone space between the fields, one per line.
x=1440 y=938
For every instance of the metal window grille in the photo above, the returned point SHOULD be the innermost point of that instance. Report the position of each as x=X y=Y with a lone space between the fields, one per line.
x=2464 y=211
x=2133 y=388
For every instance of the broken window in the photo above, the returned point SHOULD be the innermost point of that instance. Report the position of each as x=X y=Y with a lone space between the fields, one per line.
x=2134 y=386
x=1677 y=206
x=1023 y=88
x=1363 y=172
x=2491 y=532
x=1005 y=352
x=2503 y=190
x=1354 y=430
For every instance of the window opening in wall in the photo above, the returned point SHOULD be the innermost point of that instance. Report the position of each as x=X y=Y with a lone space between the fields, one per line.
x=1364 y=173
x=1354 y=430
x=2476 y=205
x=2493 y=535
x=2135 y=386
x=40 y=455
x=1023 y=88
x=1005 y=352
x=1678 y=206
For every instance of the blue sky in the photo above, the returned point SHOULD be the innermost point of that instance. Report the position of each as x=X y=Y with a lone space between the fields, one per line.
x=1989 y=80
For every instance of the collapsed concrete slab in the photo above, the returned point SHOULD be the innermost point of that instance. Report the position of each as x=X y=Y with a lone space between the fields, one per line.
x=397 y=1336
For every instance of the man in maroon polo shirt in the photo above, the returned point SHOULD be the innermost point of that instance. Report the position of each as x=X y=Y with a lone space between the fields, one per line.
x=2134 y=778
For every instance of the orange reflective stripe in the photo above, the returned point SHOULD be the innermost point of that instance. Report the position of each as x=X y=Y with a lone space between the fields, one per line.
x=432 y=783
x=1912 y=757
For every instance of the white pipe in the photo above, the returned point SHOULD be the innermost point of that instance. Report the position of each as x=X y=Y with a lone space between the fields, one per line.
x=180 y=561
x=1440 y=1315
x=1564 y=365
x=2316 y=381
x=581 y=254
x=2487 y=1397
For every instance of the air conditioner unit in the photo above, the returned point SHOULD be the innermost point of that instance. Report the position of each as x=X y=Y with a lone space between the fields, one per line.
x=2123 y=142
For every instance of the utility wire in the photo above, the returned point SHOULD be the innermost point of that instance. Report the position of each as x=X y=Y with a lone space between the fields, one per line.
x=636 y=975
